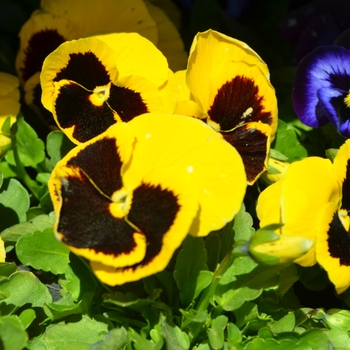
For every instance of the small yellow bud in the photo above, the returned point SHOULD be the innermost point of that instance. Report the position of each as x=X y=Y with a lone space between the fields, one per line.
x=276 y=170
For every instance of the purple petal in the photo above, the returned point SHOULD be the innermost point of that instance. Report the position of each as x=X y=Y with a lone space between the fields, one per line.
x=325 y=67
x=338 y=112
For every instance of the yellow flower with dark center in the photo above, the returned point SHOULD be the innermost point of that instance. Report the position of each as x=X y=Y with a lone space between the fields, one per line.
x=313 y=201
x=126 y=199
x=90 y=84
x=60 y=20
x=230 y=85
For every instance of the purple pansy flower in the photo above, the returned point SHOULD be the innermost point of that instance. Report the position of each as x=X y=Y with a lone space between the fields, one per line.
x=321 y=91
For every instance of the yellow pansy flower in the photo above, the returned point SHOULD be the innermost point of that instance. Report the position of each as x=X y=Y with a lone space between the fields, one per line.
x=127 y=198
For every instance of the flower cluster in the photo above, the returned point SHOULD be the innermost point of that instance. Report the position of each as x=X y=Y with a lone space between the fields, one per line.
x=159 y=154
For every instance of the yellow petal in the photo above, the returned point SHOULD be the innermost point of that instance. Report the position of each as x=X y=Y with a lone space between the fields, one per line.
x=183 y=90
x=9 y=84
x=135 y=55
x=171 y=10
x=215 y=166
x=304 y=193
x=9 y=97
x=106 y=16
x=8 y=107
x=268 y=208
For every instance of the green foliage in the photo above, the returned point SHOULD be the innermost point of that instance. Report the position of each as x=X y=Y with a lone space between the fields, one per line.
x=42 y=251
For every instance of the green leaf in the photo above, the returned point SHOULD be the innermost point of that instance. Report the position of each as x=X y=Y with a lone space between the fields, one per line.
x=247 y=312
x=243 y=226
x=277 y=155
x=140 y=343
x=235 y=298
x=194 y=316
x=316 y=339
x=113 y=340
x=78 y=335
x=194 y=286
x=14 y=203
x=244 y=281
x=7 y=269
x=272 y=344
x=339 y=338
x=58 y=145
x=175 y=339
x=79 y=279
x=27 y=317
x=23 y=288
x=66 y=307
x=31 y=149
x=234 y=336
x=285 y=324
x=39 y=223
x=203 y=346
x=6 y=126
x=216 y=332
x=42 y=251
x=8 y=170
x=227 y=240
x=287 y=142
x=127 y=300
x=191 y=259
x=338 y=318
x=12 y=334
x=43 y=178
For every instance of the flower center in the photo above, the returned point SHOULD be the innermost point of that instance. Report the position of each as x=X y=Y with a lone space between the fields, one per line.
x=347 y=100
x=100 y=95
x=121 y=203
x=344 y=218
